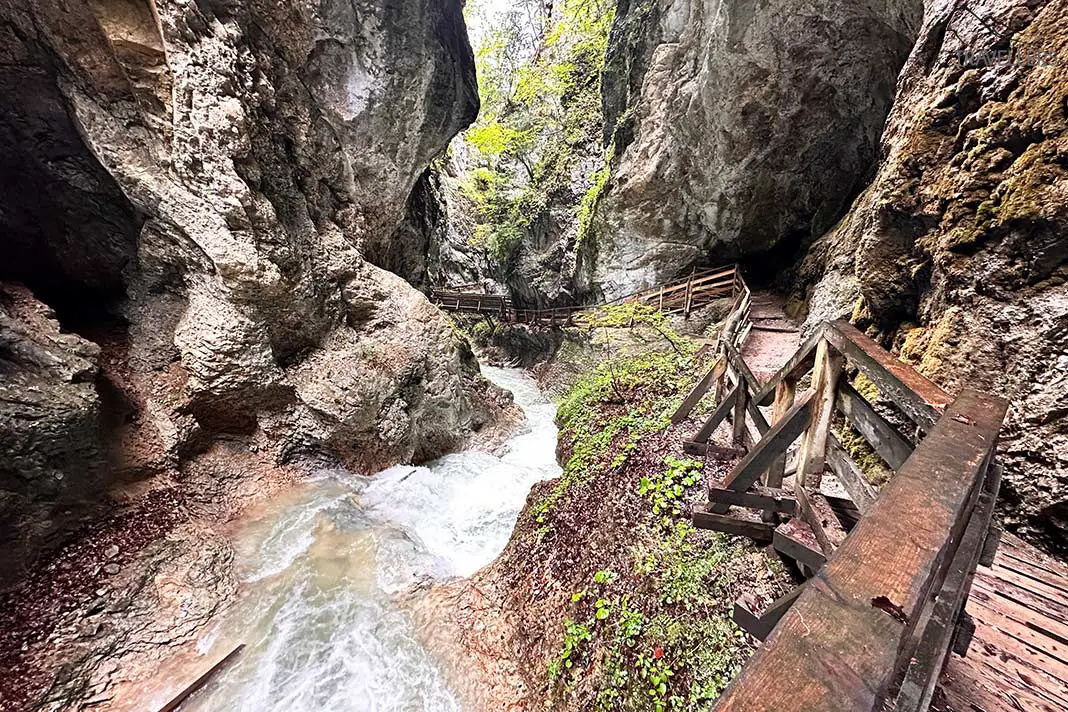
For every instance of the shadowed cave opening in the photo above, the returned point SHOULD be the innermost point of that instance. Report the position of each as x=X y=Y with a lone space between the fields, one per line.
x=67 y=232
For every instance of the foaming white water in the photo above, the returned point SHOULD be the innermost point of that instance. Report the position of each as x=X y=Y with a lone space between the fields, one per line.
x=322 y=632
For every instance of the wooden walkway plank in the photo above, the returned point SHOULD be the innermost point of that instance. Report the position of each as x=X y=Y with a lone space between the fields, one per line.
x=1043 y=611
x=798 y=365
x=989 y=618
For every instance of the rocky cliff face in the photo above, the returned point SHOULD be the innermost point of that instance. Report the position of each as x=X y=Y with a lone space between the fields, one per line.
x=203 y=189
x=738 y=126
x=957 y=251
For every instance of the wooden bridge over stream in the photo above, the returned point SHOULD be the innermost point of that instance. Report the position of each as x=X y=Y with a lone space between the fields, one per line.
x=908 y=602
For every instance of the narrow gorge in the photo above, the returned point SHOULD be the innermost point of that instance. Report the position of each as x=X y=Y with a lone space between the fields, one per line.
x=384 y=344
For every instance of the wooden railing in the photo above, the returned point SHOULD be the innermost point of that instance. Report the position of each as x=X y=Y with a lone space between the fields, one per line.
x=889 y=573
x=701 y=288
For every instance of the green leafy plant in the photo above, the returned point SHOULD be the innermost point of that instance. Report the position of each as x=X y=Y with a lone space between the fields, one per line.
x=575 y=634
x=666 y=490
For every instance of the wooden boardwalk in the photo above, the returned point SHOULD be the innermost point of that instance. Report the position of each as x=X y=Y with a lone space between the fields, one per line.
x=1018 y=658
x=701 y=288
x=823 y=651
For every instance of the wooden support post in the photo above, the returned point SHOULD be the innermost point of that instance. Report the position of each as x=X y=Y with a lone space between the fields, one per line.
x=689 y=294
x=825 y=376
x=740 y=408
x=777 y=440
x=717 y=417
x=784 y=400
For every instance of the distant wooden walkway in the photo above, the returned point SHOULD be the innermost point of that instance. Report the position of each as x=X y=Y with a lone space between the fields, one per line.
x=700 y=288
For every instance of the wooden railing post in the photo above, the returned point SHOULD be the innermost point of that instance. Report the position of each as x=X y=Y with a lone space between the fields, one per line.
x=813 y=451
x=740 y=407
x=689 y=293
x=784 y=400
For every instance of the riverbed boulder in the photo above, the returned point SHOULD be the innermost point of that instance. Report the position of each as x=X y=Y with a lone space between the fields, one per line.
x=956 y=253
x=738 y=127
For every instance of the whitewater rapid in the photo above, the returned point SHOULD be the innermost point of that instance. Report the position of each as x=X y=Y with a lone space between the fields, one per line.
x=321 y=566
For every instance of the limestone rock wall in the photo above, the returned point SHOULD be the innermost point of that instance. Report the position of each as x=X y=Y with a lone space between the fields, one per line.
x=957 y=252
x=203 y=188
x=738 y=126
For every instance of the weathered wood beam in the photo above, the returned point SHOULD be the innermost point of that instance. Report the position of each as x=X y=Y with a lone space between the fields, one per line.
x=795 y=540
x=738 y=364
x=918 y=687
x=737 y=523
x=883 y=437
x=817 y=513
x=770 y=447
x=784 y=399
x=798 y=365
x=741 y=402
x=178 y=699
x=697 y=393
x=825 y=376
x=850 y=475
x=846 y=641
x=920 y=399
x=712 y=450
x=760 y=498
x=718 y=416
x=760 y=627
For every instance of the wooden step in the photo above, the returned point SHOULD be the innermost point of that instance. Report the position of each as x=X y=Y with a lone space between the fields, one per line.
x=796 y=540
x=740 y=522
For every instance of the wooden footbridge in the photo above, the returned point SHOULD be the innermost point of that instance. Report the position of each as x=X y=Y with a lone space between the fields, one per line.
x=702 y=287
x=907 y=601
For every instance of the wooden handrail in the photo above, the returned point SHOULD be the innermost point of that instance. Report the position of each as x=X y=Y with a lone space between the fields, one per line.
x=853 y=634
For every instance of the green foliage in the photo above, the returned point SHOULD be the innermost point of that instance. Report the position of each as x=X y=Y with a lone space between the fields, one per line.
x=708 y=647
x=575 y=634
x=539 y=82
x=665 y=491
x=588 y=204
x=684 y=570
x=646 y=385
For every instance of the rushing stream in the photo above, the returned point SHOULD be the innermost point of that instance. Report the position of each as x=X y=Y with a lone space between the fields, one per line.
x=322 y=564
